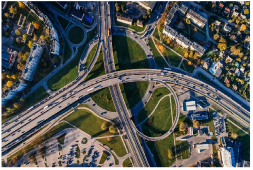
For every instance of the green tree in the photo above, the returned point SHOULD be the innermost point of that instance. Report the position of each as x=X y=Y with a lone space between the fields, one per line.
x=104 y=126
x=170 y=154
x=112 y=129
x=216 y=36
x=222 y=45
x=18 y=32
x=246 y=11
x=13 y=10
x=30 y=43
x=196 y=123
x=182 y=126
x=187 y=21
x=24 y=37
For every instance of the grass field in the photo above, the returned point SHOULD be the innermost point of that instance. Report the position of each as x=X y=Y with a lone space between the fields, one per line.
x=128 y=54
x=133 y=92
x=136 y=28
x=87 y=122
x=242 y=137
x=186 y=67
x=70 y=71
x=98 y=68
x=64 y=23
x=90 y=57
x=156 y=96
x=116 y=145
x=67 y=52
x=156 y=34
x=103 y=158
x=182 y=118
x=56 y=129
x=238 y=124
x=127 y=163
x=158 y=58
x=182 y=148
x=76 y=35
x=103 y=99
x=162 y=120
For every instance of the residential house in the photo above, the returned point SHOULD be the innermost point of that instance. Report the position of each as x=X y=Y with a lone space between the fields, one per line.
x=8 y=57
x=140 y=23
x=21 y=20
x=221 y=5
x=217 y=25
x=196 y=18
x=243 y=16
x=247 y=38
x=236 y=7
x=182 y=9
x=227 y=28
x=206 y=65
x=227 y=11
x=32 y=62
x=227 y=80
x=216 y=68
x=229 y=59
x=237 y=64
x=30 y=29
x=242 y=69
x=148 y=5
x=237 y=72
x=235 y=87
x=221 y=54
x=124 y=19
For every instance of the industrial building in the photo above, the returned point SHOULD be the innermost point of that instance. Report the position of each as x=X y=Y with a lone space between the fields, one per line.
x=189 y=105
x=32 y=62
x=227 y=157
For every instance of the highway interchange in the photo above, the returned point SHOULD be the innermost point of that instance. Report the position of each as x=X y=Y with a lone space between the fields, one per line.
x=16 y=129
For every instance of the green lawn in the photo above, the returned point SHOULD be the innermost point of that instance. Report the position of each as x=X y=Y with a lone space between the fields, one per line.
x=136 y=28
x=127 y=163
x=116 y=145
x=186 y=67
x=158 y=58
x=128 y=54
x=76 y=35
x=67 y=52
x=156 y=96
x=182 y=148
x=64 y=23
x=238 y=124
x=98 y=69
x=32 y=17
x=162 y=120
x=56 y=129
x=103 y=99
x=133 y=92
x=87 y=122
x=156 y=34
x=70 y=71
x=242 y=137
x=90 y=57
x=61 y=139
x=32 y=99
x=182 y=118
x=216 y=161
x=103 y=158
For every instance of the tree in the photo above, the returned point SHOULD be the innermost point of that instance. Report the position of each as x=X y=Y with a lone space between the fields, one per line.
x=216 y=36
x=195 y=29
x=144 y=16
x=18 y=32
x=196 y=54
x=24 y=37
x=170 y=154
x=42 y=37
x=25 y=56
x=246 y=11
x=228 y=85
x=212 y=26
x=30 y=44
x=234 y=135
x=9 y=83
x=191 y=54
x=117 y=7
x=109 y=139
x=148 y=12
x=159 y=26
x=112 y=129
x=36 y=25
x=13 y=10
x=222 y=45
x=186 y=55
x=104 y=126
x=20 y=66
x=21 y=5
x=55 y=59
x=242 y=81
x=6 y=15
x=182 y=126
x=13 y=160
x=189 y=63
x=196 y=123
x=18 y=40
x=123 y=8
x=35 y=37
x=15 y=105
x=243 y=27
x=161 y=48
x=14 y=77
x=187 y=21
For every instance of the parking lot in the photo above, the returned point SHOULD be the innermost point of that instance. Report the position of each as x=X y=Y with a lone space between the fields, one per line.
x=219 y=124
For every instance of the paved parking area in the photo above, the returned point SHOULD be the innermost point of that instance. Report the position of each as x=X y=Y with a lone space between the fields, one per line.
x=219 y=124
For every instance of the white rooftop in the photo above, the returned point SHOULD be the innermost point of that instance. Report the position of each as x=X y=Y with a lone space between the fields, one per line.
x=190 y=105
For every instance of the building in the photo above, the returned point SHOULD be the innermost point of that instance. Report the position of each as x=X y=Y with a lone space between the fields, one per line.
x=227 y=28
x=221 y=5
x=148 y=5
x=32 y=62
x=227 y=11
x=215 y=69
x=182 y=9
x=189 y=105
x=8 y=57
x=11 y=92
x=235 y=87
x=30 y=29
x=242 y=69
x=227 y=81
x=235 y=14
x=206 y=65
x=229 y=59
x=247 y=38
x=88 y=19
x=202 y=104
x=21 y=20
x=202 y=147
x=196 y=18
x=237 y=72
x=140 y=23
x=55 y=47
x=124 y=19
x=202 y=115
x=227 y=157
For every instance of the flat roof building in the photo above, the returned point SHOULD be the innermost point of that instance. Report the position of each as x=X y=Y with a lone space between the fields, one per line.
x=189 y=105
x=228 y=157
x=124 y=19
x=202 y=115
x=32 y=62
x=21 y=20
x=215 y=69
x=201 y=147
x=196 y=18
x=30 y=29
x=148 y=5
x=55 y=47
x=140 y=23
